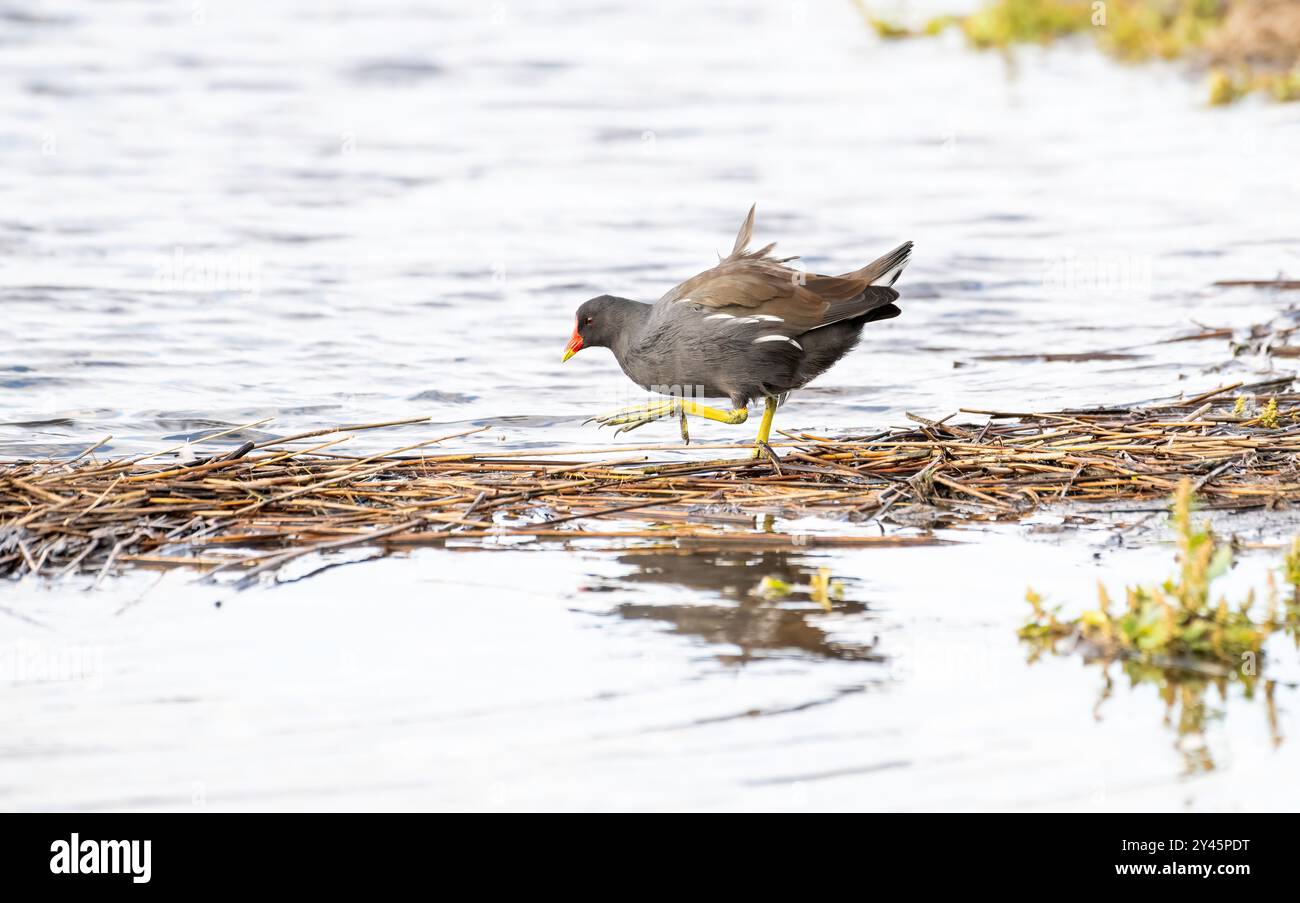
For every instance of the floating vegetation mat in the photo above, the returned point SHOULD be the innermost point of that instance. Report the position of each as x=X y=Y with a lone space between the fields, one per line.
x=249 y=511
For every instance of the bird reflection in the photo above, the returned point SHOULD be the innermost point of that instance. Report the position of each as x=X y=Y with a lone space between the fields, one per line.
x=769 y=604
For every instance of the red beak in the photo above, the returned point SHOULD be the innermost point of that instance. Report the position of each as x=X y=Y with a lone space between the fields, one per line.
x=574 y=346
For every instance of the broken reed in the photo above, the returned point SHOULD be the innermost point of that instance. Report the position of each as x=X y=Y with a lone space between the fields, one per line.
x=252 y=510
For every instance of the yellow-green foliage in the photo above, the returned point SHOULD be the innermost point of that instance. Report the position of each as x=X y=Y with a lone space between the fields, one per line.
x=1173 y=637
x=1229 y=86
x=1131 y=30
x=893 y=31
x=1283 y=86
x=1004 y=22
x=890 y=31
x=1143 y=30
x=1291 y=566
x=1268 y=418
x=773 y=588
x=821 y=588
x=1225 y=88
x=938 y=25
x=1174 y=619
x=1044 y=625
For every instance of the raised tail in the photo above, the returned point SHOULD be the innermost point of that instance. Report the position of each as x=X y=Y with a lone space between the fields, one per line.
x=884 y=270
x=869 y=289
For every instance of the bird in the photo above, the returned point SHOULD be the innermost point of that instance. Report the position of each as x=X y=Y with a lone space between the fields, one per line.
x=750 y=328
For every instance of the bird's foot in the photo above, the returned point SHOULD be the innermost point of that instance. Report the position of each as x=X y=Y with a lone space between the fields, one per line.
x=639 y=415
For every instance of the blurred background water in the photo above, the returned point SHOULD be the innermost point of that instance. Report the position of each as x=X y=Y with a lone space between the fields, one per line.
x=329 y=213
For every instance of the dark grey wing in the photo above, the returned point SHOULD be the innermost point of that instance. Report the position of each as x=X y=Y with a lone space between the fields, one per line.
x=739 y=356
x=693 y=321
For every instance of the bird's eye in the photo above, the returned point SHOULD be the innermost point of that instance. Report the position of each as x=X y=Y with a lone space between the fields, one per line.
x=586 y=322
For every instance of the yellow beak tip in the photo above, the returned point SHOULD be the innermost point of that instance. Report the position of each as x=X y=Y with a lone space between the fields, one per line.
x=567 y=354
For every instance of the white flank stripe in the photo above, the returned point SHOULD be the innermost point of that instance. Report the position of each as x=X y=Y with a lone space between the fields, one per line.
x=768 y=318
x=720 y=317
x=777 y=338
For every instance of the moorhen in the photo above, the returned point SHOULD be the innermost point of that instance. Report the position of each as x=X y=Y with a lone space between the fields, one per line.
x=749 y=328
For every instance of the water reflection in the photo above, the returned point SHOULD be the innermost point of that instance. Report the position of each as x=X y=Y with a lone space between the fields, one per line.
x=1193 y=700
x=769 y=605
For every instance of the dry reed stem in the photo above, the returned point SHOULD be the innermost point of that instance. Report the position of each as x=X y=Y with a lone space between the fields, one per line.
x=258 y=507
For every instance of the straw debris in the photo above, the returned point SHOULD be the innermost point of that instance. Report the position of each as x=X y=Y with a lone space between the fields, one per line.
x=253 y=509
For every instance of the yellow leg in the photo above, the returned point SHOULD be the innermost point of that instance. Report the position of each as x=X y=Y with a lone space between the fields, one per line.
x=738 y=415
x=640 y=415
x=765 y=425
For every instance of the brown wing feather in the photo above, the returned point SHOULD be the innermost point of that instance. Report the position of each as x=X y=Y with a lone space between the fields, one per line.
x=744 y=235
x=751 y=283
x=749 y=287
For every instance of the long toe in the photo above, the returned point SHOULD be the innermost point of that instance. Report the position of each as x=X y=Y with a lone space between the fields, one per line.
x=619 y=419
x=633 y=417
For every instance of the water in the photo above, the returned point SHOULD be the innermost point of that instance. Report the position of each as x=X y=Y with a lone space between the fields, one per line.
x=221 y=213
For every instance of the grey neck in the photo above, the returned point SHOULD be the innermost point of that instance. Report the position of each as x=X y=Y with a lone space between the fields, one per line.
x=631 y=317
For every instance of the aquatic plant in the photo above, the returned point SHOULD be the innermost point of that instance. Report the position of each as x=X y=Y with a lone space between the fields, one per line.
x=1242 y=32
x=1283 y=86
x=890 y=31
x=773 y=588
x=1172 y=635
x=1228 y=86
x=1291 y=567
x=821 y=588
x=1193 y=701
x=1173 y=620
x=1005 y=22
x=1137 y=30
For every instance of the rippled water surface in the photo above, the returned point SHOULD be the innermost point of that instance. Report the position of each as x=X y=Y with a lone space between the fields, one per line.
x=305 y=214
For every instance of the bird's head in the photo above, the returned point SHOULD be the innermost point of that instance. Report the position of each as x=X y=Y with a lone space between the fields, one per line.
x=597 y=323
